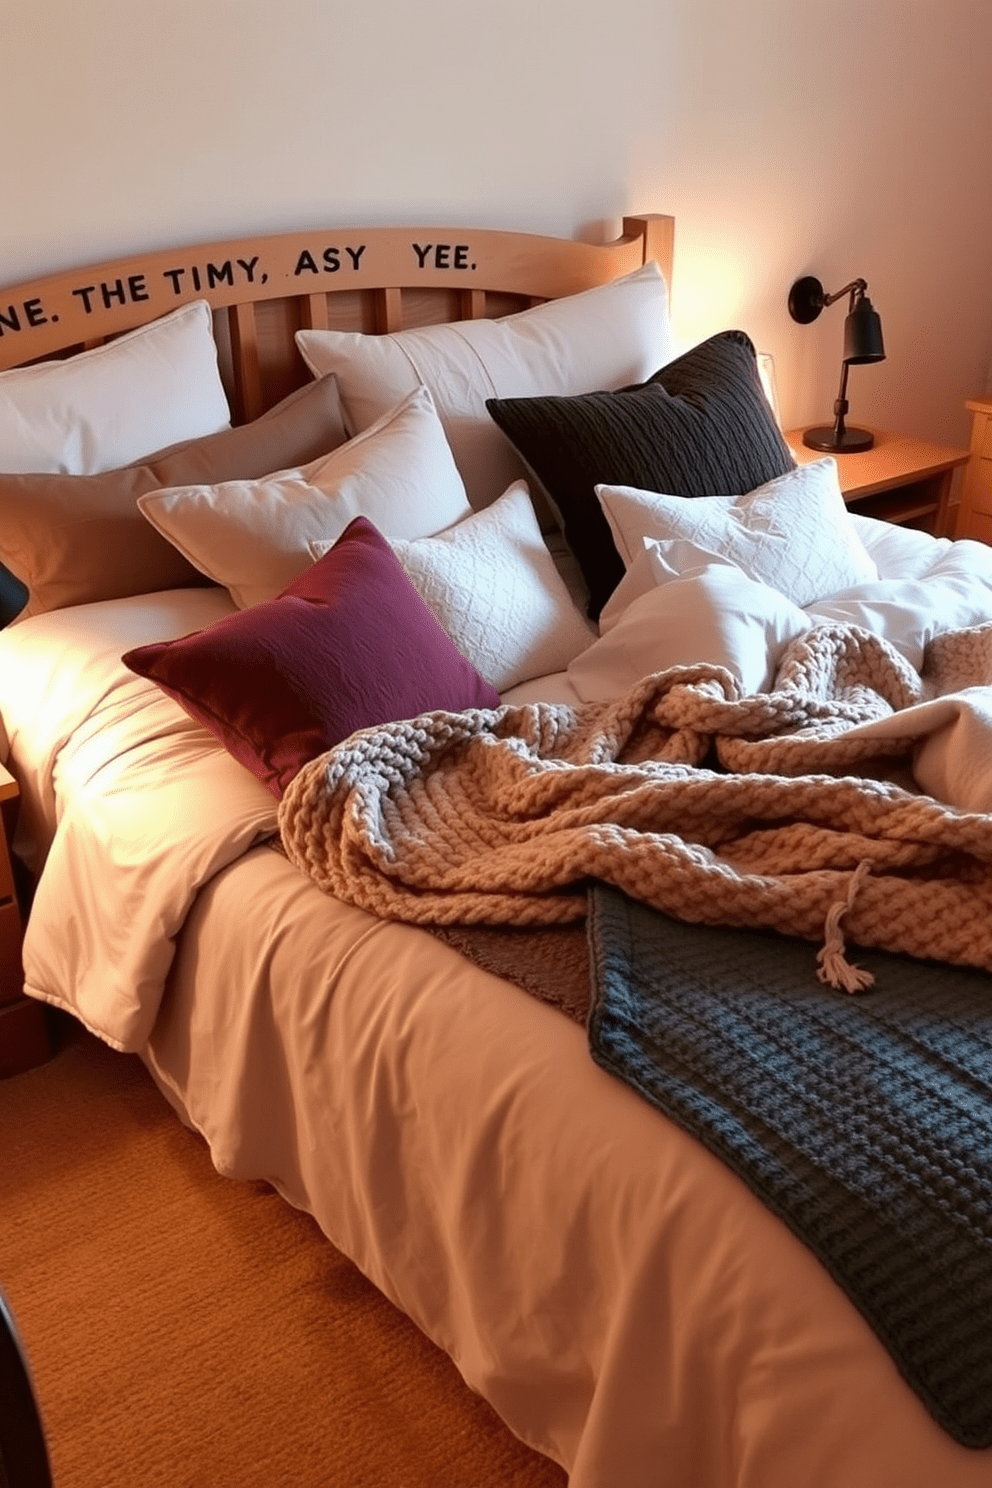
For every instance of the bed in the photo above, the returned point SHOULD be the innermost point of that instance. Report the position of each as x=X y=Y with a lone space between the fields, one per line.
x=619 y=1294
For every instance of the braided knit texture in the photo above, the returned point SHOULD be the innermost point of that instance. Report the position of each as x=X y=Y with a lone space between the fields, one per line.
x=714 y=808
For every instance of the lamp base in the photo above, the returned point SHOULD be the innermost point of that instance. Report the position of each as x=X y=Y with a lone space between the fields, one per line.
x=850 y=441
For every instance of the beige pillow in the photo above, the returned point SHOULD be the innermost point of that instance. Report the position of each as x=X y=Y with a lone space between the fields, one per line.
x=606 y=337
x=253 y=536
x=76 y=539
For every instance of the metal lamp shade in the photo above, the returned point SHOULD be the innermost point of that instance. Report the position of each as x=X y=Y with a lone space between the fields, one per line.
x=863 y=334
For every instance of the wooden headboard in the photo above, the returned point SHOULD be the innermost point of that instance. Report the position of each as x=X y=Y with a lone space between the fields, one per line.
x=264 y=289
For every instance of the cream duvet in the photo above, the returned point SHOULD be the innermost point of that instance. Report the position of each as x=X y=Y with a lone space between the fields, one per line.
x=621 y=1298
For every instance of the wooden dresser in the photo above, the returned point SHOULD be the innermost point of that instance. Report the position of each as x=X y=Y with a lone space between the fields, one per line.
x=23 y=1032
x=975 y=511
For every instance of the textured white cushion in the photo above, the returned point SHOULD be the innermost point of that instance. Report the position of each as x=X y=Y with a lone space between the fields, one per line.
x=147 y=389
x=494 y=588
x=253 y=536
x=794 y=532
x=603 y=338
x=714 y=614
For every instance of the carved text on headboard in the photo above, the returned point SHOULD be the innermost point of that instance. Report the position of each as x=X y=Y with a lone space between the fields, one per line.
x=166 y=282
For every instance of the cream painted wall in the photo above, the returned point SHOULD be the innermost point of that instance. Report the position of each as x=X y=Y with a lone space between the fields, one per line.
x=787 y=136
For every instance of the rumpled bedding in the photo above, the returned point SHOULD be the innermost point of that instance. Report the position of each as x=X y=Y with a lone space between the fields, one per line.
x=618 y=1295
x=503 y=817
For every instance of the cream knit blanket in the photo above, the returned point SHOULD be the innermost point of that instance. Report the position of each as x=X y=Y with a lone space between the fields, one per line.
x=771 y=810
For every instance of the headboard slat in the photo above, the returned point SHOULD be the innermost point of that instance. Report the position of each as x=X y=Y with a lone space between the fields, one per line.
x=314 y=315
x=473 y=304
x=247 y=374
x=388 y=309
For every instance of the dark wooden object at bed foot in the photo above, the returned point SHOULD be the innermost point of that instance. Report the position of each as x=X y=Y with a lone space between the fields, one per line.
x=23 y=1030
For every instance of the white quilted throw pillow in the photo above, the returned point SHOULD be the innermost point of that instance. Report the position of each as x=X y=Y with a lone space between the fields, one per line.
x=494 y=588
x=794 y=533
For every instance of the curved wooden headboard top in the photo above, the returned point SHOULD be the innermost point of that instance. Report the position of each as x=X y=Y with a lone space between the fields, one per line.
x=264 y=289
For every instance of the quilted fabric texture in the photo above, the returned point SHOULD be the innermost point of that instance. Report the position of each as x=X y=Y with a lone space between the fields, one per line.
x=793 y=533
x=493 y=586
x=701 y=426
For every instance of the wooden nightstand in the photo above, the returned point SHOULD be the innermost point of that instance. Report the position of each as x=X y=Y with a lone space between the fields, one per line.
x=975 y=511
x=899 y=479
x=23 y=1034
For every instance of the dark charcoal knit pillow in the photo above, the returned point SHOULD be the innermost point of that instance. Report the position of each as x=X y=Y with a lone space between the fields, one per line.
x=701 y=426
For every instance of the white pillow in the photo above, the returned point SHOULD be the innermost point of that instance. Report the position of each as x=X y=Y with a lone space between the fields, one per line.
x=606 y=337
x=494 y=588
x=794 y=532
x=656 y=563
x=252 y=536
x=147 y=389
x=713 y=614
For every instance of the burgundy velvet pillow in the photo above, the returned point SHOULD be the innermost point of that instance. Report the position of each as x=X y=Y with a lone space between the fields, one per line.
x=347 y=645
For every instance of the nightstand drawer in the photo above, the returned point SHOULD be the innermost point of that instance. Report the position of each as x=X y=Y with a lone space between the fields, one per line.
x=11 y=974
x=975 y=515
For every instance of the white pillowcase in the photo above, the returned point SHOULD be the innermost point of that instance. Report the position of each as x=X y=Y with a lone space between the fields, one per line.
x=253 y=536
x=493 y=586
x=793 y=533
x=606 y=337
x=712 y=614
x=147 y=389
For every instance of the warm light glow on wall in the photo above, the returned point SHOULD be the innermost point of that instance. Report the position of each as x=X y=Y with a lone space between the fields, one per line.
x=766 y=371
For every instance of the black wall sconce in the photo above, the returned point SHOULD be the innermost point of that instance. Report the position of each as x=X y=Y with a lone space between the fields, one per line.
x=862 y=343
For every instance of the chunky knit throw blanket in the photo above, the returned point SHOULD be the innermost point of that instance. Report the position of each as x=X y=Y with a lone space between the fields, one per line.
x=769 y=811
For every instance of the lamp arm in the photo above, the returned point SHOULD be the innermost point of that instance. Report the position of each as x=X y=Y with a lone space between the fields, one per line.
x=855 y=289
x=862 y=343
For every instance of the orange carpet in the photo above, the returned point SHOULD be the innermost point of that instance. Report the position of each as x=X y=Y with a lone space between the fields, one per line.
x=186 y=1331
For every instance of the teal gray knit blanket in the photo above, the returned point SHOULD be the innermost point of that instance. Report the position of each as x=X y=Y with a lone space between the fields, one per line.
x=864 y=1122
